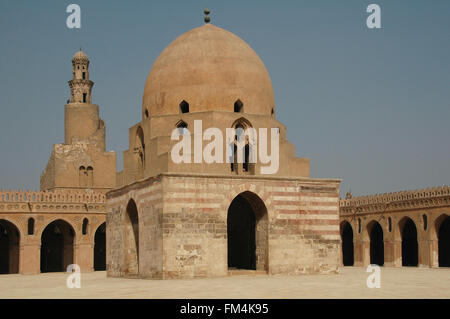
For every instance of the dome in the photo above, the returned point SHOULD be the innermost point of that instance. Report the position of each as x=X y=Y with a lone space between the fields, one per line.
x=80 y=56
x=210 y=69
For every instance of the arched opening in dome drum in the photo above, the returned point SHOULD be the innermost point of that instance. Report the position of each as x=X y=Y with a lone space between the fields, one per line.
x=246 y=165
x=100 y=248
x=131 y=240
x=234 y=157
x=181 y=126
x=57 y=246
x=444 y=243
x=184 y=107
x=139 y=150
x=233 y=164
x=9 y=248
x=376 y=244
x=247 y=229
x=146 y=114
x=410 y=247
x=347 y=244
x=238 y=107
x=84 y=97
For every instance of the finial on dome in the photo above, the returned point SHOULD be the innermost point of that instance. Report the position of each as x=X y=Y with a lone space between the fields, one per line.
x=207 y=18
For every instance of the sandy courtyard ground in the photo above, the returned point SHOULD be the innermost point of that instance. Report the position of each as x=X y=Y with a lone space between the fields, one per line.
x=351 y=283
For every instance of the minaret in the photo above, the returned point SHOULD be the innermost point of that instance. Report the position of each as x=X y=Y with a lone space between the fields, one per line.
x=81 y=162
x=82 y=121
x=80 y=85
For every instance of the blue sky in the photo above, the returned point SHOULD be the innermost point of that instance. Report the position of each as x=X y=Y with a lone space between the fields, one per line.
x=369 y=106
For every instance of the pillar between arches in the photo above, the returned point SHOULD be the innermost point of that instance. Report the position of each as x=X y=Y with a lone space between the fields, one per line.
x=30 y=259
x=358 y=253
x=389 y=253
x=397 y=252
x=424 y=253
x=84 y=257
x=366 y=252
x=433 y=252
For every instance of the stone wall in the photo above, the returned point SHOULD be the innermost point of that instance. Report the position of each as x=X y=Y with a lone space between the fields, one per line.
x=183 y=224
x=426 y=208
x=148 y=198
x=18 y=207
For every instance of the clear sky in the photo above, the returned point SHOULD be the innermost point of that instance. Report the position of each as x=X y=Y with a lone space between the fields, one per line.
x=369 y=106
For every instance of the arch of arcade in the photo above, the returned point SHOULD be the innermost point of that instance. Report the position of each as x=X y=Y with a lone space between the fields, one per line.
x=408 y=228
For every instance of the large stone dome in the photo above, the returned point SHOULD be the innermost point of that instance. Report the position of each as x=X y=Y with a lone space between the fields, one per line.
x=209 y=68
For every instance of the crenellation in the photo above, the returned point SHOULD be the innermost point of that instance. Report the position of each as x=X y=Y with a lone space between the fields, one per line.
x=397 y=197
x=60 y=196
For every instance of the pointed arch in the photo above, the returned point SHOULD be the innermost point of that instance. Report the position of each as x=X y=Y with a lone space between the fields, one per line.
x=82 y=182
x=100 y=248
x=30 y=226
x=238 y=106
x=181 y=126
x=247 y=229
x=410 y=246
x=248 y=148
x=131 y=239
x=184 y=107
x=376 y=236
x=57 y=246
x=347 y=243
x=139 y=149
x=84 y=228
x=9 y=247
x=243 y=122
x=90 y=176
x=442 y=229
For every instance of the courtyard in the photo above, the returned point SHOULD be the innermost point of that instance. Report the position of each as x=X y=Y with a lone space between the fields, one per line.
x=406 y=282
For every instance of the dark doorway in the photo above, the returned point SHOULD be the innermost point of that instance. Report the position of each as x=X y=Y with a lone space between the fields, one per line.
x=131 y=239
x=410 y=246
x=4 y=250
x=9 y=248
x=241 y=234
x=100 y=248
x=444 y=243
x=57 y=247
x=376 y=245
x=347 y=244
